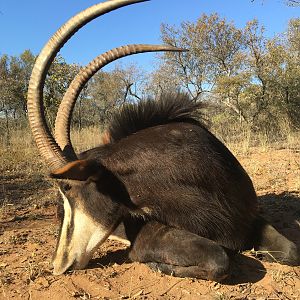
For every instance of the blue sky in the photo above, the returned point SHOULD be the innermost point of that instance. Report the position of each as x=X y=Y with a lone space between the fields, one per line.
x=27 y=24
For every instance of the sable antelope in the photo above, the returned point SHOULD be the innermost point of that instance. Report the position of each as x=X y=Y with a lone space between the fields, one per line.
x=185 y=201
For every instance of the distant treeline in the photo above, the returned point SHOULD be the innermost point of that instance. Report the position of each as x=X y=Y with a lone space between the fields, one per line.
x=248 y=80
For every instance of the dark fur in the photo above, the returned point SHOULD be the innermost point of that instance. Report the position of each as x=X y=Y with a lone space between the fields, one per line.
x=149 y=113
x=164 y=166
x=179 y=168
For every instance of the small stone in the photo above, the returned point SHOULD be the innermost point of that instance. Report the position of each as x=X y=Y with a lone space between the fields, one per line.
x=42 y=282
x=3 y=265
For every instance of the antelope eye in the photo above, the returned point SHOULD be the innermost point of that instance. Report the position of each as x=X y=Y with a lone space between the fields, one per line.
x=66 y=187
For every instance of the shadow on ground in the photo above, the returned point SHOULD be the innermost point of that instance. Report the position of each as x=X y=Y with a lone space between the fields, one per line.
x=18 y=188
x=283 y=212
x=119 y=257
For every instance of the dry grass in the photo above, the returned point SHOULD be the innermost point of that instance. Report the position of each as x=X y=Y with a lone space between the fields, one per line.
x=242 y=139
x=86 y=138
x=21 y=147
x=21 y=150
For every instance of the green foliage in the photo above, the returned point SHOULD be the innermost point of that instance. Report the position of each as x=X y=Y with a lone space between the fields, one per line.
x=251 y=83
x=254 y=81
x=57 y=81
x=14 y=77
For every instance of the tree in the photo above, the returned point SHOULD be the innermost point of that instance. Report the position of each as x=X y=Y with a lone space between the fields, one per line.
x=215 y=49
x=132 y=79
x=162 y=80
x=57 y=81
x=293 y=37
x=14 y=77
x=284 y=74
x=109 y=90
x=27 y=60
x=6 y=85
x=251 y=78
x=15 y=73
x=294 y=3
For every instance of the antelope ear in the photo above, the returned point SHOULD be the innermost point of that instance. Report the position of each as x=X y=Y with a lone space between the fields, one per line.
x=79 y=170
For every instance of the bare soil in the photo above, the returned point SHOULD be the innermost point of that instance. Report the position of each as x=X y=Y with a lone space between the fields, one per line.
x=28 y=230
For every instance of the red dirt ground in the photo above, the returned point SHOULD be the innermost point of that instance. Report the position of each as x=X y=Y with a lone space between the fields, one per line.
x=28 y=231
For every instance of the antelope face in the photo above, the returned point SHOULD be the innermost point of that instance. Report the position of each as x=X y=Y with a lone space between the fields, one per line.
x=87 y=219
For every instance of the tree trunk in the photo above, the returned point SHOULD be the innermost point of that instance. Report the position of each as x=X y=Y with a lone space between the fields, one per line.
x=7 y=127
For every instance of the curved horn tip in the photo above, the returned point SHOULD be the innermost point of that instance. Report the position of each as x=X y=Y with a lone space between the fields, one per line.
x=135 y=1
x=182 y=50
x=176 y=49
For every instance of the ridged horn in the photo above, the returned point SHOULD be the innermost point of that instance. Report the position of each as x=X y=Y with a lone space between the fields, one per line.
x=64 y=114
x=46 y=144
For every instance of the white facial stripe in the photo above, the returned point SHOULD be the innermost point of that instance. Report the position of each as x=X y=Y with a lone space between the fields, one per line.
x=66 y=220
x=87 y=235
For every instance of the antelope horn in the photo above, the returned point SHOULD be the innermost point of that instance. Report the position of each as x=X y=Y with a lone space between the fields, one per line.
x=46 y=144
x=64 y=114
